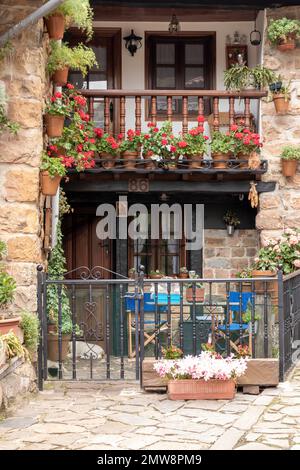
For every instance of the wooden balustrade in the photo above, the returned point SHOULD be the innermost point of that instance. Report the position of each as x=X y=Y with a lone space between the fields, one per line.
x=115 y=106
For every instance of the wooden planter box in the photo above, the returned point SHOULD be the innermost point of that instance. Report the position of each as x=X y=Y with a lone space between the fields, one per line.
x=261 y=372
x=201 y=390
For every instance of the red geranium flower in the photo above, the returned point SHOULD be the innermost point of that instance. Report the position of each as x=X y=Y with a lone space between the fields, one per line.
x=182 y=144
x=200 y=119
x=70 y=86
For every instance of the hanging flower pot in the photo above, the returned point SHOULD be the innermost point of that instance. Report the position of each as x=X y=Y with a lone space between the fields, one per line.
x=289 y=167
x=220 y=160
x=288 y=45
x=195 y=161
x=129 y=159
x=54 y=125
x=230 y=230
x=55 y=25
x=281 y=103
x=60 y=77
x=49 y=185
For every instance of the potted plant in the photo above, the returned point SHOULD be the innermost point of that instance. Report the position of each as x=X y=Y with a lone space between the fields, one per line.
x=232 y=221
x=290 y=156
x=7 y=291
x=107 y=147
x=56 y=270
x=222 y=147
x=52 y=171
x=75 y=13
x=31 y=327
x=160 y=145
x=156 y=274
x=247 y=146
x=208 y=376
x=243 y=78
x=130 y=148
x=247 y=318
x=196 y=145
x=171 y=352
x=62 y=58
x=5 y=123
x=131 y=273
x=56 y=111
x=183 y=273
x=245 y=274
x=13 y=346
x=283 y=33
x=195 y=290
x=55 y=23
x=280 y=94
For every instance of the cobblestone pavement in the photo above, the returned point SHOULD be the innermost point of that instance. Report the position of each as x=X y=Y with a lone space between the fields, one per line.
x=120 y=416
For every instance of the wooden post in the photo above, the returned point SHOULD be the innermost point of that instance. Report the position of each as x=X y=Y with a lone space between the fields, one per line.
x=153 y=109
x=169 y=108
x=231 y=111
x=106 y=115
x=216 y=121
x=138 y=113
x=185 y=113
x=247 y=113
x=122 y=115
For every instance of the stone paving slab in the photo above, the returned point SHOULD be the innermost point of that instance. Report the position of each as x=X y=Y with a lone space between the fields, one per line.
x=121 y=416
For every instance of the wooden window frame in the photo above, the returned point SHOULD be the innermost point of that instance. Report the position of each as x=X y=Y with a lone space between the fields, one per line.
x=152 y=37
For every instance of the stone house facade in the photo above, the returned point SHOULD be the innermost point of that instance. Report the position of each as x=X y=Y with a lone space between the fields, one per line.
x=22 y=205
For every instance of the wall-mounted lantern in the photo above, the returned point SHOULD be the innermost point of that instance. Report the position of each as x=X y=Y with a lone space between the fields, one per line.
x=133 y=42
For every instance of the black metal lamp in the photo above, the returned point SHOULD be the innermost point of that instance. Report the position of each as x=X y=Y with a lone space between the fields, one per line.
x=255 y=36
x=174 y=25
x=133 y=42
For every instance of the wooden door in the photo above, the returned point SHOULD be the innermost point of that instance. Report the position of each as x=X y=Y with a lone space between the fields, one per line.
x=85 y=253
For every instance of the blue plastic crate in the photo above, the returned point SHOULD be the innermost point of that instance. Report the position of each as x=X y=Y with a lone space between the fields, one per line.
x=162 y=299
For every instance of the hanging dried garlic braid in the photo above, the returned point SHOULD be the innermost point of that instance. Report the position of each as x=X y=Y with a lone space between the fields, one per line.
x=253 y=196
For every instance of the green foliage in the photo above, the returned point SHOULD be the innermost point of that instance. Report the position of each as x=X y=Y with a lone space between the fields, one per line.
x=239 y=77
x=64 y=206
x=172 y=352
x=2 y=249
x=279 y=87
x=5 y=123
x=222 y=143
x=30 y=325
x=279 y=31
x=7 y=288
x=80 y=57
x=290 y=152
x=13 y=346
x=53 y=165
x=5 y=50
x=230 y=218
x=244 y=273
x=56 y=270
x=78 y=13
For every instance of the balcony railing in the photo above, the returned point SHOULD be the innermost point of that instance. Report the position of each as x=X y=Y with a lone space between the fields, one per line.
x=115 y=106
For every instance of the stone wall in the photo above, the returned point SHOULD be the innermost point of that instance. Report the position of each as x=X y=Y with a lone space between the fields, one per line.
x=225 y=255
x=280 y=209
x=23 y=74
x=18 y=381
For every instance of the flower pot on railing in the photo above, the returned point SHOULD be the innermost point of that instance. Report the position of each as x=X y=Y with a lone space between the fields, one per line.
x=242 y=161
x=54 y=125
x=198 y=295
x=183 y=275
x=281 y=103
x=289 y=167
x=129 y=159
x=107 y=160
x=56 y=26
x=53 y=346
x=193 y=389
x=220 y=160
x=60 y=77
x=195 y=161
x=49 y=185
x=149 y=164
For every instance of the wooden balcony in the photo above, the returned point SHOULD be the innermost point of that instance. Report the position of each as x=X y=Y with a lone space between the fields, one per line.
x=121 y=109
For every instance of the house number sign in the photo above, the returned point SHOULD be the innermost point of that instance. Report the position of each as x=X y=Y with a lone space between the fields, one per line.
x=138 y=185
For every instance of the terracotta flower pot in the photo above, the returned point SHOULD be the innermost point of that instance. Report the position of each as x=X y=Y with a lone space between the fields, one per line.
x=155 y=276
x=53 y=348
x=129 y=159
x=281 y=103
x=54 y=125
x=10 y=324
x=289 y=167
x=49 y=185
x=195 y=161
x=60 y=77
x=192 y=389
x=220 y=160
x=108 y=160
x=56 y=26
x=199 y=294
x=271 y=286
x=289 y=45
x=243 y=161
x=149 y=164
x=183 y=275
